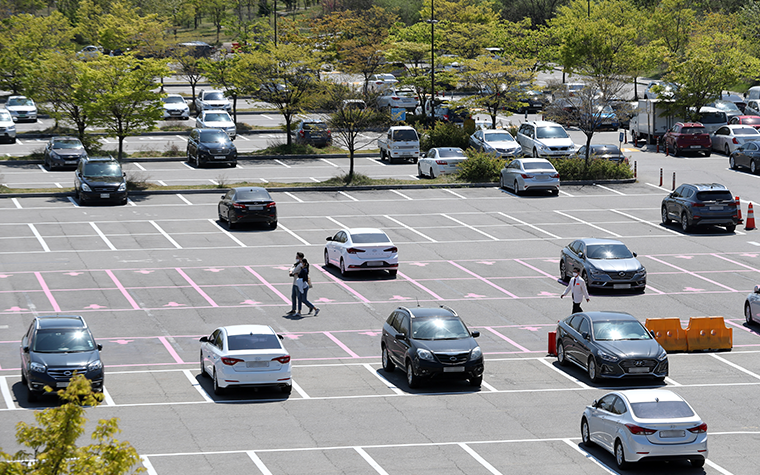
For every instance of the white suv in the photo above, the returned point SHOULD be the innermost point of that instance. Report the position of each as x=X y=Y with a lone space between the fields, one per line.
x=544 y=139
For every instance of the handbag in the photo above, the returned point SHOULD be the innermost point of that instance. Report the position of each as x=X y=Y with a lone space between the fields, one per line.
x=308 y=281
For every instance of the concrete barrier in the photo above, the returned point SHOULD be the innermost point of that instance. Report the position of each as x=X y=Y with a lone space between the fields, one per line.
x=668 y=333
x=709 y=333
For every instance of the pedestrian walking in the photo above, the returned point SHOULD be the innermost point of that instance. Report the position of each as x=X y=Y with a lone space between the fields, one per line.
x=577 y=289
x=295 y=269
x=304 y=284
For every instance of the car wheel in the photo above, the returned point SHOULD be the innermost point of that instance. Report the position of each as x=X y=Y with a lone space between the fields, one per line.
x=753 y=166
x=221 y=218
x=327 y=258
x=665 y=215
x=727 y=150
x=382 y=156
x=731 y=228
x=23 y=378
x=393 y=272
x=707 y=154
x=203 y=368
x=514 y=187
x=433 y=174
x=676 y=150
x=287 y=389
x=684 y=222
x=593 y=371
x=620 y=456
x=731 y=163
x=388 y=365
x=230 y=224
x=502 y=185
x=535 y=153
x=585 y=433
x=561 y=357
x=189 y=158
x=476 y=381
x=342 y=267
x=412 y=379
x=273 y=225
x=584 y=276
x=747 y=314
x=419 y=171
x=562 y=270
x=33 y=396
x=697 y=462
x=217 y=389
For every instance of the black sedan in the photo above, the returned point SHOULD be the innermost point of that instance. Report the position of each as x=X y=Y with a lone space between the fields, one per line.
x=603 y=264
x=746 y=155
x=248 y=204
x=63 y=152
x=610 y=345
x=431 y=343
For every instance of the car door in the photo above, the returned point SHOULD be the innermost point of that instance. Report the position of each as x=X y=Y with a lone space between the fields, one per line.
x=395 y=348
x=192 y=143
x=335 y=246
x=432 y=156
x=672 y=204
x=477 y=140
x=571 y=337
x=584 y=348
x=403 y=344
x=509 y=174
x=719 y=138
x=754 y=306
x=215 y=349
x=26 y=341
x=226 y=204
x=599 y=422
x=206 y=352
x=744 y=155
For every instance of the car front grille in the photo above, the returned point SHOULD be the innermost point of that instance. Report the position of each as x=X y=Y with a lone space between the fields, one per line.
x=105 y=189
x=621 y=275
x=559 y=149
x=65 y=374
x=452 y=358
x=638 y=363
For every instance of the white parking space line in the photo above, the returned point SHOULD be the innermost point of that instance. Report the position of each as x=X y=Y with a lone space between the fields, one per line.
x=281 y=163
x=469 y=226
x=340 y=225
x=565 y=375
x=390 y=385
x=165 y=234
x=184 y=139
x=415 y=177
x=692 y=274
x=409 y=228
x=58 y=185
x=374 y=161
x=659 y=187
x=239 y=136
x=227 y=233
x=347 y=195
x=566 y=193
x=753 y=243
x=304 y=241
x=6 y=390
x=588 y=456
x=184 y=199
x=213 y=182
x=402 y=195
x=609 y=189
x=315 y=180
x=489 y=387
x=587 y=223
x=376 y=466
x=131 y=203
x=161 y=182
x=479 y=459
x=671 y=382
x=150 y=470
x=188 y=165
x=103 y=236
x=140 y=166
x=718 y=467
x=257 y=461
x=107 y=399
x=734 y=365
x=19 y=141
x=287 y=193
x=299 y=389
x=529 y=225
x=73 y=201
x=194 y=382
x=44 y=170
x=16 y=203
x=329 y=162
x=455 y=194
x=39 y=237
x=656 y=225
x=649 y=287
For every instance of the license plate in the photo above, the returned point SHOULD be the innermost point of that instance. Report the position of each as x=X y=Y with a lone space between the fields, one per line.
x=257 y=364
x=255 y=208
x=105 y=195
x=671 y=434
x=621 y=286
x=638 y=370
x=696 y=146
x=453 y=369
x=62 y=385
x=70 y=162
x=219 y=157
x=716 y=208
x=375 y=263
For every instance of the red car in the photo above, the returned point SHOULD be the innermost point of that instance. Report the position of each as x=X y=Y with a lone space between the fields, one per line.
x=688 y=137
x=751 y=120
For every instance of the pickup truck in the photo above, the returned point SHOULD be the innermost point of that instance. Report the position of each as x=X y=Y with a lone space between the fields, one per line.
x=400 y=142
x=212 y=100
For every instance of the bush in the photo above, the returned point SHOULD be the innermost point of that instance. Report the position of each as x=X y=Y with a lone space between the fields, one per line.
x=480 y=167
x=444 y=135
x=597 y=169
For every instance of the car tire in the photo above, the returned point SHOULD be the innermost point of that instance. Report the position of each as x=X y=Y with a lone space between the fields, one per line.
x=563 y=271
x=273 y=225
x=476 y=381
x=382 y=156
x=727 y=150
x=676 y=150
x=432 y=173
x=23 y=378
x=388 y=365
x=419 y=171
x=501 y=182
x=412 y=379
x=731 y=163
x=230 y=224
x=221 y=218
x=393 y=273
x=218 y=390
x=697 y=463
x=585 y=433
x=620 y=456
x=327 y=258
x=342 y=267
x=515 y=188
x=753 y=166
x=747 y=314
x=684 y=222
x=592 y=369
x=561 y=356
x=665 y=216
x=708 y=153
x=33 y=396
x=287 y=389
x=203 y=368
x=731 y=228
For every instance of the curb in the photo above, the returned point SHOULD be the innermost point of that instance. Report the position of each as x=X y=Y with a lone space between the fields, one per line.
x=183 y=158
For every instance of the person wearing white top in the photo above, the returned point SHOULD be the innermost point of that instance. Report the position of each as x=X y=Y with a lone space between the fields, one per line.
x=295 y=292
x=578 y=288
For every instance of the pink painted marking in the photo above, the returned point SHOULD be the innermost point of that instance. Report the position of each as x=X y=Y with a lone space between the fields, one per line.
x=534 y=268
x=553 y=261
x=737 y=325
x=196 y=287
x=47 y=291
x=548 y=294
x=270 y=286
x=249 y=302
x=398 y=297
x=683 y=257
x=737 y=263
x=692 y=289
x=692 y=273
x=340 y=344
x=144 y=272
x=15 y=309
x=170 y=349
x=95 y=306
x=342 y=284
x=123 y=342
x=324 y=299
x=520 y=347
x=213 y=270
x=743 y=255
x=3 y=276
x=474 y=296
x=174 y=304
x=531 y=329
x=73 y=274
x=291 y=336
x=433 y=294
x=483 y=279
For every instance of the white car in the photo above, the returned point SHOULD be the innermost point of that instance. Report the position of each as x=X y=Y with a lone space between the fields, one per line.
x=175 y=107
x=358 y=249
x=399 y=98
x=7 y=126
x=645 y=424
x=495 y=141
x=752 y=306
x=728 y=138
x=668 y=90
x=440 y=161
x=217 y=120
x=382 y=82
x=245 y=356
x=21 y=108
x=523 y=174
x=544 y=139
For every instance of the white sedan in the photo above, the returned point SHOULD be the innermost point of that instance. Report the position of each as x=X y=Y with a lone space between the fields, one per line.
x=728 y=138
x=245 y=356
x=361 y=249
x=217 y=120
x=645 y=424
x=440 y=161
x=752 y=306
x=524 y=174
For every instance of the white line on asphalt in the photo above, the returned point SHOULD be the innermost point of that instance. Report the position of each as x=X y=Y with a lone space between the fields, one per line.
x=382 y=378
x=264 y=180
x=107 y=399
x=165 y=234
x=258 y=462
x=184 y=199
x=160 y=182
x=188 y=165
x=304 y=241
x=753 y=243
x=7 y=397
x=587 y=223
x=717 y=467
x=402 y=195
x=672 y=382
x=658 y=187
x=194 y=382
x=315 y=180
x=293 y=196
x=375 y=161
x=140 y=166
x=329 y=162
x=44 y=170
x=529 y=225
x=73 y=201
x=102 y=236
x=340 y=225
x=415 y=177
x=692 y=273
x=734 y=365
x=453 y=193
x=489 y=387
x=565 y=375
x=409 y=228
x=372 y=463
x=266 y=116
x=281 y=163
x=213 y=182
x=469 y=226
x=58 y=185
x=479 y=459
x=656 y=225
x=566 y=194
x=299 y=389
x=19 y=142
x=242 y=137
x=589 y=456
x=610 y=189
x=227 y=233
x=148 y=466
x=184 y=139
x=39 y=237
x=130 y=202
x=347 y=195
x=16 y=203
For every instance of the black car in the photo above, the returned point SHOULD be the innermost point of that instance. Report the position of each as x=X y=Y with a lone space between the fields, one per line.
x=701 y=204
x=249 y=204
x=610 y=345
x=604 y=264
x=100 y=180
x=605 y=152
x=56 y=347
x=63 y=152
x=313 y=132
x=746 y=155
x=211 y=146
x=431 y=343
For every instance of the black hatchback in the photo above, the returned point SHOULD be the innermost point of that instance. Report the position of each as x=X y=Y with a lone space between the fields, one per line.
x=701 y=204
x=211 y=146
x=248 y=204
x=431 y=343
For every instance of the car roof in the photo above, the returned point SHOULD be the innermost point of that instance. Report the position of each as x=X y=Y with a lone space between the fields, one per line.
x=544 y=123
x=649 y=395
x=257 y=189
x=427 y=312
x=609 y=316
x=60 y=321
x=690 y=124
x=599 y=241
x=248 y=329
x=451 y=149
x=737 y=126
x=707 y=186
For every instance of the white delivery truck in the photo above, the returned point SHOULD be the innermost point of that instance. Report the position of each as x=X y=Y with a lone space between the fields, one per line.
x=650 y=121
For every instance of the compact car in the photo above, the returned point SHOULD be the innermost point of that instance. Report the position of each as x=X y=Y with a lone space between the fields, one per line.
x=211 y=146
x=495 y=141
x=313 y=132
x=214 y=119
x=746 y=155
x=700 y=204
x=751 y=120
x=728 y=138
x=100 y=180
x=63 y=152
x=604 y=264
x=603 y=151
x=431 y=344
x=22 y=108
x=381 y=82
x=752 y=306
x=355 y=249
x=7 y=126
x=528 y=174
x=440 y=161
x=175 y=107
x=249 y=204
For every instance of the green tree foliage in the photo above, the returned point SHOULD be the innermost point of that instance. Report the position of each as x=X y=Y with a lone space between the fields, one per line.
x=123 y=28
x=444 y=135
x=53 y=440
x=464 y=25
x=670 y=25
x=227 y=74
x=538 y=11
x=188 y=67
x=217 y=12
x=480 y=167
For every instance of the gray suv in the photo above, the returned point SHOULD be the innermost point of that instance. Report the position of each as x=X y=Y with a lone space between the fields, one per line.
x=700 y=204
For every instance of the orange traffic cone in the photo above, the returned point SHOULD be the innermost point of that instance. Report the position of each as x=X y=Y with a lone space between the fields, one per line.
x=739 y=210
x=750 y=219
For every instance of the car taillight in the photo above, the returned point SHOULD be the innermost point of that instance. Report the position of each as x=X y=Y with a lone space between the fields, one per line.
x=391 y=249
x=445 y=117
x=441 y=162
x=395 y=98
x=526 y=176
x=735 y=141
x=556 y=175
x=230 y=361
x=353 y=250
x=238 y=206
x=301 y=133
x=636 y=430
x=271 y=204
x=329 y=133
x=697 y=205
x=700 y=429
x=282 y=359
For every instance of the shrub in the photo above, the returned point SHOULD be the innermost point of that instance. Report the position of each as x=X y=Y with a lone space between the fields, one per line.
x=444 y=135
x=597 y=169
x=480 y=167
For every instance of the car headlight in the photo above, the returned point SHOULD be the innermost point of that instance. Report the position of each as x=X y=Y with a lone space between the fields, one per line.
x=662 y=356
x=95 y=365
x=476 y=354
x=38 y=367
x=642 y=272
x=123 y=187
x=11 y=127
x=541 y=146
x=53 y=154
x=607 y=356
x=86 y=187
x=424 y=354
x=595 y=272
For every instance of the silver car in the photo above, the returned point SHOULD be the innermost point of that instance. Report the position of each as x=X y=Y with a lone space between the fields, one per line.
x=440 y=161
x=728 y=138
x=645 y=424
x=398 y=98
x=523 y=174
x=604 y=264
x=21 y=108
x=752 y=306
x=217 y=120
x=495 y=141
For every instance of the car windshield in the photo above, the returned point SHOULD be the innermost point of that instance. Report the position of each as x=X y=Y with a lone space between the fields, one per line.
x=498 y=137
x=605 y=150
x=726 y=106
x=551 y=133
x=608 y=251
x=67 y=143
x=620 y=330
x=717 y=195
x=746 y=131
x=693 y=130
x=538 y=166
x=20 y=101
x=712 y=117
x=214 y=96
x=369 y=238
x=104 y=169
x=314 y=126
x=174 y=100
x=405 y=135
x=57 y=340
x=449 y=153
x=214 y=136
x=216 y=117
x=661 y=410
x=253 y=342
x=439 y=328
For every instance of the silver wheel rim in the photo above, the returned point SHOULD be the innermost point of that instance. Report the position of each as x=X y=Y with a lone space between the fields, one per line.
x=619 y=458
x=327 y=259
x=592 y=369
x=684 y=222
x=409 y=374
x=342 y=267
x=752 y=167
x=561 y=352
x=385 y=358
x=748 y=313
x=664 y=215
x=584 y=431
x=731 y=163
x=562 y=270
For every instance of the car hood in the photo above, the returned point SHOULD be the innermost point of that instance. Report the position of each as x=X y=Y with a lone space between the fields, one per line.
x=75 y=359
x=7 y=123
x=508 y=144
x=216 y=103
x=632 y=348
x=442 y=346
x=566 y=142
x=616 y=265
x=218 y=124
x=21 y=108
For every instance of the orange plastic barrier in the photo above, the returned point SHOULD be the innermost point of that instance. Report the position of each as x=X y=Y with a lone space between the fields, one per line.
x=553 y=343
x=668 y=333
x=709 y=333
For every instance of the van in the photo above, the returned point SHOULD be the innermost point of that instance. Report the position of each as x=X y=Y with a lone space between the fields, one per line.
x=754 y=92
x=100 y=179
x=712 y=118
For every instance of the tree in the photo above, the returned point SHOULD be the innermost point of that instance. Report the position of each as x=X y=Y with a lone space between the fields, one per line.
x=226 y=74
x=217 y=10
x=188 y=67
x=53 y=440
x=464 y=25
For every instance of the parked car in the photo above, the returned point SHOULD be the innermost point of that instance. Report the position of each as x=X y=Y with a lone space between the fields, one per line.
x=431 y=344
x=90 y=52
x=523 y=174
x=736 y=99
x=355 y=249
x=746 y=155
x=496 y=141
x=398 y=99
x=207 y=146
x=382 y=82
x=533 y=101
x=604 y=264
x=752 y=107
x=245 y=356
x=603 y=151
x=63 y=152
x=217 y=120
x=700 y=204
x=752 y=306
x=313 y=132
x=728 y=138
x=610 y=345
x=645 y=424
x=712 y=118
x=690 y=137
x=53 y=349
x=7 y=126
x=21 y=108
x=401 y=142
x=729 y=107
x=100 y=180
x=751 y=120
x=248 y=204
x=660 y=90
x=544 y=139
x=354 y=104
x=175 y=107
x=440 y=161
x=212 y=100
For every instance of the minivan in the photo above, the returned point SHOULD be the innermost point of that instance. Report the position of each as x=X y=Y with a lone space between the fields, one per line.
x=100 y=179
x=712 y=118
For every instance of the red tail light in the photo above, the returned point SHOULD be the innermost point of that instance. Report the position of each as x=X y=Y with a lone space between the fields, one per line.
x=391 y=249
x=700 y=429
x=231 y=361
x=441 y=162
x=301 y=133
x=271 y=204
x=556 y=175
x=353 y=250
x=238 y=206
x=329 y=134
x=735 y=141
x=445 y=117
x=526 y=176
x=636 y=430
x=282 y=359
x=395 y=98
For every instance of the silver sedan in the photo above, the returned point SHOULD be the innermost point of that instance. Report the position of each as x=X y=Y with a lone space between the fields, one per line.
x=729 y=137
x=524 y=174
x=496 y=141
x=752 y=306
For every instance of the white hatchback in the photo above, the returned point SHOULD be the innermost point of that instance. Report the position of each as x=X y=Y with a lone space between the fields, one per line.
x=7 y=126
x=358 y=249
x=245 y=356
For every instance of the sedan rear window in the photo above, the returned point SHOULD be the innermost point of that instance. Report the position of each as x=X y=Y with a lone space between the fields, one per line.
x=253 y=342
x=251 y=195
x=608 y=251
x=538 y=166
x=620 y=330
x=661 y=410
x=746 y=131
x=693 y=130
x=439 y=329
x=369 y=238
x=314 y=126
x=723 y=195
x=446 y=153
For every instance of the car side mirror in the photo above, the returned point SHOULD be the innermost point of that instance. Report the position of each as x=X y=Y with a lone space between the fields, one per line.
x=595 y=403
x=585 y=335
x=635 y=255
x=651 y=332
x=100 y=347
x=475 y=334
x=580 y=254
x=328 y=238
x=203 y=339
x=280 y=337
x=124 y=175
x=400 y=336
x=25 y=349
x=757 y=289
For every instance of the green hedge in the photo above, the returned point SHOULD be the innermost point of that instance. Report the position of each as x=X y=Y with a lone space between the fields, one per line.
x=596 y=169
x=480 y=167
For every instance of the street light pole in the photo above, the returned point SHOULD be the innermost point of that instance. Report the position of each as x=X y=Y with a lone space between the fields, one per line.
x=275 y=23
x=432 y=22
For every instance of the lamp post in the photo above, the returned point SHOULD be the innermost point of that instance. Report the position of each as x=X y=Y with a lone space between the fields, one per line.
x=275 y=23
x=432 y=22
